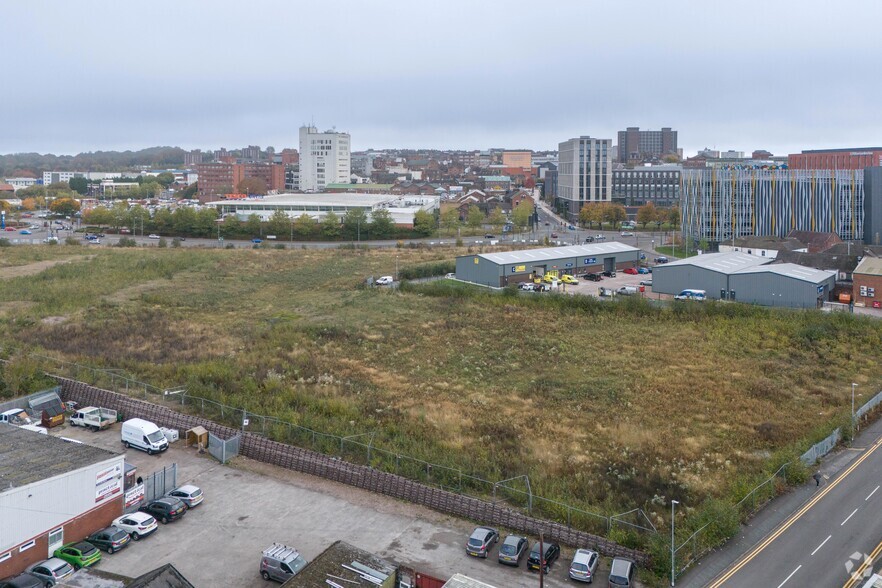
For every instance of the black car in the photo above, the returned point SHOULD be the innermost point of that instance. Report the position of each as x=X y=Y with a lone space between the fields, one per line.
x=111 y=539
x=589 y=239
x=165 y=509
x=552 y=552
x=593 y=277
x=489 y=236
x=22 y=581
x=661 y=259
x=609 y=274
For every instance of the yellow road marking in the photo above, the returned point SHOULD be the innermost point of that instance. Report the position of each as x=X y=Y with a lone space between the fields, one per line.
x=795 y=517
x=858 y=574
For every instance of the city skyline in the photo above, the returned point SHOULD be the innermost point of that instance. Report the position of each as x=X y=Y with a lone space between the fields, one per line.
x=100 y=75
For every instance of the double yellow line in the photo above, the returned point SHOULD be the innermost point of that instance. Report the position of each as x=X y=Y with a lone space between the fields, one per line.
x=858 y=574
x=795 y=517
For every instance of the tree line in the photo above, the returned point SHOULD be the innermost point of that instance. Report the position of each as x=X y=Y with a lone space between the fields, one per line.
x=614 y=214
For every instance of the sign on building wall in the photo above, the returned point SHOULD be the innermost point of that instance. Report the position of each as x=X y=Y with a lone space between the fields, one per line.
x=108 y=482
x=518 y=268
x=134 y=495
x=590 y=260
x=476 y=260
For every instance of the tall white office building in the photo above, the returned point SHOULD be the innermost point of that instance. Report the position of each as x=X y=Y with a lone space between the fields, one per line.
x=324 y=159
x=584 y=174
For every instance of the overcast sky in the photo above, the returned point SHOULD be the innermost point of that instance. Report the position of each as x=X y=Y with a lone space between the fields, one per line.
x=777 y=75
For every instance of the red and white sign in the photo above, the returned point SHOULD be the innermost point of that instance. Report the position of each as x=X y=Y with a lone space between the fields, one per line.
x=108 y=482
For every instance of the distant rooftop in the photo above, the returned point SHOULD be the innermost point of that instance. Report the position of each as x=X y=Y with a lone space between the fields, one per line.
x=869 y=266
x=35 y=456
x=725 y=263
x=792 y=270
x=549 y=253
x=845 y=150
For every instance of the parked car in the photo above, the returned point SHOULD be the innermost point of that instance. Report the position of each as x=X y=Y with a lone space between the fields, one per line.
x=571 y=227
x=257 y=241
x=568 y=279
x=646 y=282
x=81 y=554
x=111 y=539
x=189 y=494
x=627 y=234
x=384 y=280
x=489 y=236
x=95 y=241
x=136 y=524
x=621 y=572
x=153 y=236
x=449 y=276
x=644 y=270
x=689 y=294
x=593 y=277
x=554 y=235
x=512 y=550
x=10 y=229
x=481 y=541
x=660 y=259
x=528 y=286
x=552 y=552
x=584 y=565
x=280 y=562
x=22 y=581
x=25 y=232
x=609 y=273
x=589 y=239
x=51 y=571
x=626 y=291
x=600 y=238
x=165 y=509
x=632 y=271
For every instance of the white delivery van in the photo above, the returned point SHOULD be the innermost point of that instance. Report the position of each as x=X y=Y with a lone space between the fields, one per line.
x=143 y=435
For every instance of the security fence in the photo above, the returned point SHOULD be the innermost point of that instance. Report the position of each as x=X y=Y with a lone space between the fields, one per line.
x=223 y=450
x=821 y=448
x=161 y=482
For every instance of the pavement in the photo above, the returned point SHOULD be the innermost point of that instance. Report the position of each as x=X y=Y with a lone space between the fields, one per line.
x=249 y=505
x=813 y=535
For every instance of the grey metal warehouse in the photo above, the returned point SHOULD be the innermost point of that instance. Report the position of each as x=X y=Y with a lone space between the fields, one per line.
x=512 y=267
x=746 y=278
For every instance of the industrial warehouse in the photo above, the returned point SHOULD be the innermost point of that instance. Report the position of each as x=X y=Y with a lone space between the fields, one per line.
x=53 y=492
x=746 y=278
x=512 y=267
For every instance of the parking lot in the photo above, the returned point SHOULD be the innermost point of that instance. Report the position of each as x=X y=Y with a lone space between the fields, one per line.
x=591 y=288
x=249 y=505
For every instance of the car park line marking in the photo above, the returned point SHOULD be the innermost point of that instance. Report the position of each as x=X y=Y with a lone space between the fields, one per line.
x=848 y=517
x=727 y=575
x=871 y=493
x=790 y=576
x=821 y=545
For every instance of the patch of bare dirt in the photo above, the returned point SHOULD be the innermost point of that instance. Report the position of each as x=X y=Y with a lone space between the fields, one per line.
x=37 y=267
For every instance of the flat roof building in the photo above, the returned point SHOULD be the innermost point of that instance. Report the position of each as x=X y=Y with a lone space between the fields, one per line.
x=317 y=206
x=349 y=565
x=52 y=492
x=852 y=158
x=746 y=278
x=512 y=267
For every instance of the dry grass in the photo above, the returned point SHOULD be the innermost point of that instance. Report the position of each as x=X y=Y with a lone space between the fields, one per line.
x=610 y=409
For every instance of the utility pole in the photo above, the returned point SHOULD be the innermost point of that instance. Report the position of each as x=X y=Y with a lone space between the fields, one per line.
x=541 y=560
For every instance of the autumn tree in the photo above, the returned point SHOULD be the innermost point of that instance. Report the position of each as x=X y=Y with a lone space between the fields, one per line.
x=251 y=186
x=64 y=206
x=647 y=214
x=521 y=216
x=450 y=219
x=496 y=219
x=475 y=217
x=614 y=213
x=673 y=216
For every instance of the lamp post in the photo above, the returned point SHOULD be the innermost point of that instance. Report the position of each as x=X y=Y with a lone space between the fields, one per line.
x=673 y=568
x=853 y=386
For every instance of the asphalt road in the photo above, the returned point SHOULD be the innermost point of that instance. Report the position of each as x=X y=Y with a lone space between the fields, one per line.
x=826 y=540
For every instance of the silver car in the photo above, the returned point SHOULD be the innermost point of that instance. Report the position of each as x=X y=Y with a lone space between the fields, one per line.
x=481 y=541
x=51 y=571
x=512 y=550
x=584 y=565
x=188 y=494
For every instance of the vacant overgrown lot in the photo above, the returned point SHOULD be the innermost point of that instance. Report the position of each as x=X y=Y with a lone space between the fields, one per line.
x=609 y=406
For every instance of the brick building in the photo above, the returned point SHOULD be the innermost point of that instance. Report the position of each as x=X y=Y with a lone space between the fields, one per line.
x=836 y=159
x=636 y=146
x=867 y=278
x=53 y=492
x=518 y=159
x=218 y=179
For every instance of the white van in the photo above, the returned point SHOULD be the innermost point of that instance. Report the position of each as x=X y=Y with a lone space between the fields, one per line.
x=143 y=435
x=691 y=295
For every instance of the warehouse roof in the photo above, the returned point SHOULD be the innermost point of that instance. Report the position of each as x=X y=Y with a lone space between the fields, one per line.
x=724 y=263
x=36 y=456
x=792 y=270
x=549 y=253
x=870 y=265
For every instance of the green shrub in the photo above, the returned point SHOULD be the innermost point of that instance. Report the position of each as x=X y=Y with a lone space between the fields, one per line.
x=72 y=241
x=4 y=242
x=126 y=242
x=176 y=242
x=427 y=270
x=162 y=243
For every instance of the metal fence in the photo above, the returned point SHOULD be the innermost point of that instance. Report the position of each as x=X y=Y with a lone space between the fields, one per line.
x=161 y=482
x=23 y=402
x=868 y=406
x=821 y=448
x=222 y=450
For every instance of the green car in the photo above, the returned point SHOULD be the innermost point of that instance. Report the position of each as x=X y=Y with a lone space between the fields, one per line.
x=81 y=554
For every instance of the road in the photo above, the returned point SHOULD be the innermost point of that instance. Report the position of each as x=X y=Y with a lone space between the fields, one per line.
x=825 y=540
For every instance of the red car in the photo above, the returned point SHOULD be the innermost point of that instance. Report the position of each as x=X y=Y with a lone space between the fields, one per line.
x=630 y=270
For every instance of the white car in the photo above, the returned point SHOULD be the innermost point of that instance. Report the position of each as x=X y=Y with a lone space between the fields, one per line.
x=450 y=276
x=137 y=524
x=627 y=234
x=94 y=241
x=384 y=280
x=153 y=236
x=189 y=494
x=646 y=282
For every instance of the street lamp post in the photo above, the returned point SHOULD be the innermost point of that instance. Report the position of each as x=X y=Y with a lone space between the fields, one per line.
x=853 y=386
x=673 y=567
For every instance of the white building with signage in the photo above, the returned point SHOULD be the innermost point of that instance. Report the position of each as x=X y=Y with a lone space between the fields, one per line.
x=52 y=492
x=324 y=159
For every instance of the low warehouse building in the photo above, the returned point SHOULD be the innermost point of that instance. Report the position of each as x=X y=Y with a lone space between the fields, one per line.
x=512 y=267
x=867 y=278
x=52 y=492
x=746 y=278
